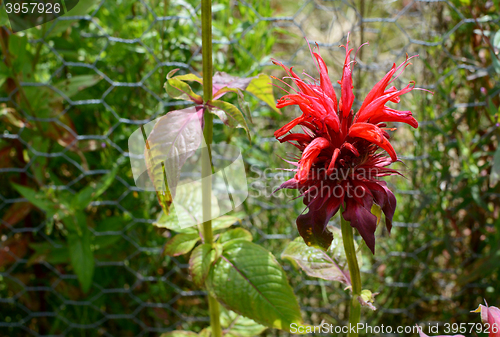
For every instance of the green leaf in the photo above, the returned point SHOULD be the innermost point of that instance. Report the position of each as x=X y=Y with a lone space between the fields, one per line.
x=237 y=233
x=169 y=221
x=75 y=84
x=262 y=88
x=200 y=261
x=80 y=251
x=248 y=280
x=189 y=77
x=239 y=326
x=177 y=89
x=229 y=114
x=181 y=244
x=315 y=262
x=377 y=211
x=48 y=252
x=39 y=199
x=495 y=168
x=91 y=192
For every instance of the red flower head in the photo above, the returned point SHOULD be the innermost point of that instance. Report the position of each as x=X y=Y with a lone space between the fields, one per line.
x=340 y=163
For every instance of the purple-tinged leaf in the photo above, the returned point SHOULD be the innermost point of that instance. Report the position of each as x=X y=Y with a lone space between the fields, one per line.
x=222 y=80
x=174 y=138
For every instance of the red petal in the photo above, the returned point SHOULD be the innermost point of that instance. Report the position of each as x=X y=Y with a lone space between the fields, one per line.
x=374 y=134
x=310 y=153
x=376 y=105
x=331 y=166
x=346 y=97
x=387 y=114
x=326 y=84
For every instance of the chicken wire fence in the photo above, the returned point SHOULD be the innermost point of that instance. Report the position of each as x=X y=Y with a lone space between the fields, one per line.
x=415 y=28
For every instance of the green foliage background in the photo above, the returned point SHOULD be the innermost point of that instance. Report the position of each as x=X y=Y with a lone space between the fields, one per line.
x=73 y=90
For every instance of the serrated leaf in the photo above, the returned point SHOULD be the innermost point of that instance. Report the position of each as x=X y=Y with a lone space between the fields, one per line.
x=248 y=280
x=178 y=89
x=200 y=261
x=232 y=116
x=315 y=262
x=181 y=244
x=239 y=326
x=234 y=234
x=262 y=88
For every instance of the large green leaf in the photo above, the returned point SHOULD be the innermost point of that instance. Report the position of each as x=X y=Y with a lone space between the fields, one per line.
x=229 y=114
x=248 y=280
x=315 y=262
x=181 y=244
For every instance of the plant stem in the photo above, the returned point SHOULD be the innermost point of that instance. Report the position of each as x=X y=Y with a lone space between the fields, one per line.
x=352 y=262
x=206 y=170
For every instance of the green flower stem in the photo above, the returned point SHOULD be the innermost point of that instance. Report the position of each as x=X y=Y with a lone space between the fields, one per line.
x=352 y=262
x=206 y=170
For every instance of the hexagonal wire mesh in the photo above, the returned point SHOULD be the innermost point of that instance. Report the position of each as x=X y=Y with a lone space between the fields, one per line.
x=154 y=292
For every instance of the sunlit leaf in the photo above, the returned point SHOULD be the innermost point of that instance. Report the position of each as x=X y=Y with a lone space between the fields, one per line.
x=231 y=115
x=315 y=262
x=181 y=243
x=262 y=88
x=180 y=90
